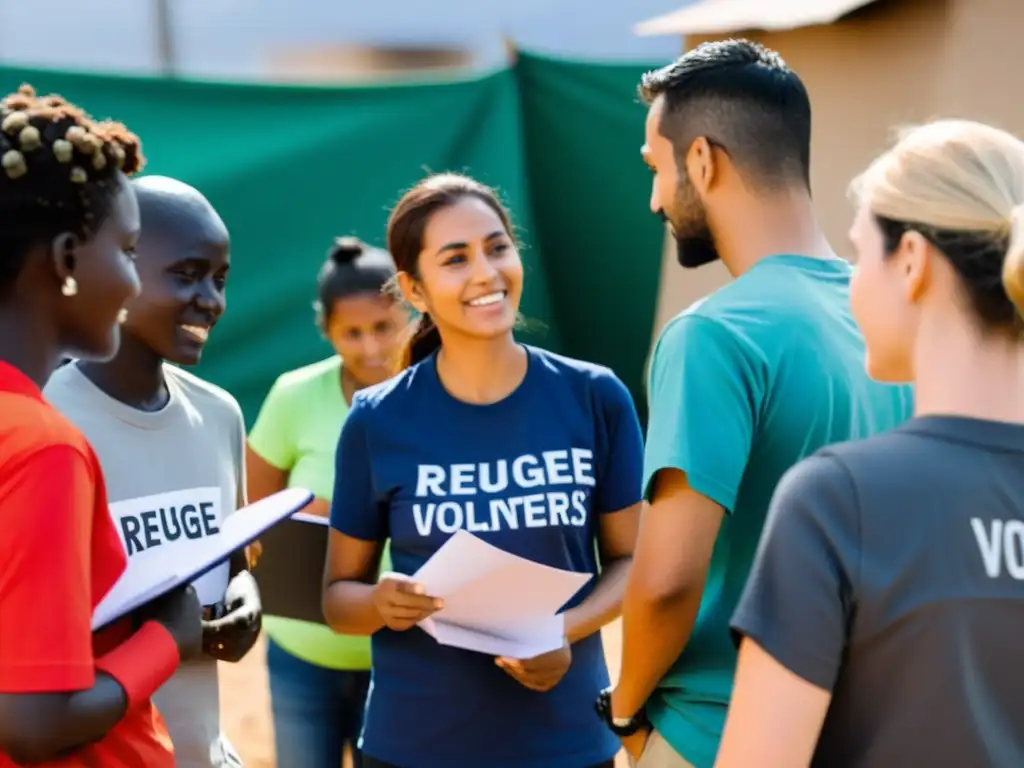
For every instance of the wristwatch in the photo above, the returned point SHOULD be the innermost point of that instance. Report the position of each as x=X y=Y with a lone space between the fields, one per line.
x=620 y=726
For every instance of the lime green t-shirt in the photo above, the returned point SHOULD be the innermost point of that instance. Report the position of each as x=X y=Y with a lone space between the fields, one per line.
x=297 y=431
x=742 y=386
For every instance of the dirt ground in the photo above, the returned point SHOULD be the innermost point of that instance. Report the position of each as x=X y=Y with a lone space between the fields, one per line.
x=245 y=703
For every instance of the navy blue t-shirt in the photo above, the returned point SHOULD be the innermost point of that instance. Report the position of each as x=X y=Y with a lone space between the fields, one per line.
x=529 y=474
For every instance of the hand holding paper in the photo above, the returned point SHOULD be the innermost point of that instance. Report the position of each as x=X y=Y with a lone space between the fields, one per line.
x=402 y=602
x=495 y=602
x=541 y=673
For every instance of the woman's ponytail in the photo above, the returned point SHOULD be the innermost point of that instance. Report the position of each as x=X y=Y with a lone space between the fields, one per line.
x=1013 y=265
x=424 y=340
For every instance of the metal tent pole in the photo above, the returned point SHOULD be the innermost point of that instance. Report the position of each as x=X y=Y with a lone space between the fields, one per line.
x=164 y=34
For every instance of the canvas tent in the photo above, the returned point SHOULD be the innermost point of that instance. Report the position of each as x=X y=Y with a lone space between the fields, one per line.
x=869 y=66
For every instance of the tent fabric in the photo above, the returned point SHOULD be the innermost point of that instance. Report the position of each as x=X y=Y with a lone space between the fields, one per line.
x=290 y=167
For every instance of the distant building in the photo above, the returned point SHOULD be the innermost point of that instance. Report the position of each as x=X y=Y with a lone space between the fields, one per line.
x=869 y=67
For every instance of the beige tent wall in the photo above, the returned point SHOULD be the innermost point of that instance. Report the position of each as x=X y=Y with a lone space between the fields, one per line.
x=892 y=62
x=866 y=74
x=982 y=67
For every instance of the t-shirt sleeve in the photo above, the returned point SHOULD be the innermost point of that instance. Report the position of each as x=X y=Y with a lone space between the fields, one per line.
x=705 y=392
x=355 y=510
x=621 y=468
x=272 y=436
x=238 y=426
x=800 y=594
x=46 y=508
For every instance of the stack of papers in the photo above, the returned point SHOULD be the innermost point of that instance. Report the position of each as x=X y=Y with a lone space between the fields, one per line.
x=496 y=602
x=147 y=578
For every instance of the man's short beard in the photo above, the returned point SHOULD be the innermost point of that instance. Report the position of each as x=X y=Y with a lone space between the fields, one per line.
x=695 y=251
x=695 y=245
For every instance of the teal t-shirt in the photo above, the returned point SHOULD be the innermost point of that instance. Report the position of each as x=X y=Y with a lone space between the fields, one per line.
x=743 y=385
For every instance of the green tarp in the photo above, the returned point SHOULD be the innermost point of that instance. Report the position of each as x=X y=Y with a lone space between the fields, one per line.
x=291 y=167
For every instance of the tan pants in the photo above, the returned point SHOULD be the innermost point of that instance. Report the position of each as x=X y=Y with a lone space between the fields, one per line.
x=658 y=754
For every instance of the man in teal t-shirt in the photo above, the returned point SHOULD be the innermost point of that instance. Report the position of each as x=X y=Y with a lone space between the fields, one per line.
x=742 y=384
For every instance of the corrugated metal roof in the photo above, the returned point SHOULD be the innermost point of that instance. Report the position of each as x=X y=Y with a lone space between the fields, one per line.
x=713 y=17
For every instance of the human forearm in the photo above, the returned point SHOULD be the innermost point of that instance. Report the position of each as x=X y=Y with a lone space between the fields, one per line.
x=654 y=633
x=90 y=715
x=663 y=595
x=262 y=478
x=349 y=609
x=40 y=727
x=602 y=606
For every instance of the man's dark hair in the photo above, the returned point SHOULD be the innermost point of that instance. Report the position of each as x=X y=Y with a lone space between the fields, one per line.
x=743 y=98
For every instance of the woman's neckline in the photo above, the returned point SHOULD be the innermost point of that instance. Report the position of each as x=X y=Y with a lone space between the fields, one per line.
x=512 y=396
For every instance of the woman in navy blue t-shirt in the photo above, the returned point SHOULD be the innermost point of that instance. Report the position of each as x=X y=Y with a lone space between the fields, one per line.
x=535 y=453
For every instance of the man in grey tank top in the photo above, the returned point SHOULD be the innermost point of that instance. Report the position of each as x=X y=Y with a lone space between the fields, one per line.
x=171 y=445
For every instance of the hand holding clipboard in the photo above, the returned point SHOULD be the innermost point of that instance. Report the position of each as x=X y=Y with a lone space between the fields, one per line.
x=146 y=581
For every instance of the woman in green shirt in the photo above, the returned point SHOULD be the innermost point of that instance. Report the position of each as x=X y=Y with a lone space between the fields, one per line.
x=319 y=680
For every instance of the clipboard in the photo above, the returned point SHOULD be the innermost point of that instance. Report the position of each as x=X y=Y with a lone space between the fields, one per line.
x=290 y=571
x=144 y=582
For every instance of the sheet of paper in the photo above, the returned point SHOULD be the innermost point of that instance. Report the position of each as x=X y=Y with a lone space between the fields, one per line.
x=525 y=641
x=496 y=602
x=145 y=579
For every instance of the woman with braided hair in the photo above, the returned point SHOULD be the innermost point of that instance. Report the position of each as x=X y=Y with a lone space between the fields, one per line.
x=68 y=226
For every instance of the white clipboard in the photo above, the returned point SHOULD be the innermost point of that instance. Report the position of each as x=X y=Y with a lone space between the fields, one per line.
x=146 y=581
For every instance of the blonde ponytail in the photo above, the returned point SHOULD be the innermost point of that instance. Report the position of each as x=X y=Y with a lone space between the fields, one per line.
x=1013 y=266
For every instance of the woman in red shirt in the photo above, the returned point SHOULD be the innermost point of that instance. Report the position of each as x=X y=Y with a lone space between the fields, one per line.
x=68 y=224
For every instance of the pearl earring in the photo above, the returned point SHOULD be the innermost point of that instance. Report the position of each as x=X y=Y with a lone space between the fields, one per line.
x=70 y=286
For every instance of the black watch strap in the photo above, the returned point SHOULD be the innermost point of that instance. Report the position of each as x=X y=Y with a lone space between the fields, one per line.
x=604 y=710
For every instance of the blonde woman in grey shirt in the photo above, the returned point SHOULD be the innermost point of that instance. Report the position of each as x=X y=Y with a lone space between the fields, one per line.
x=171 y=445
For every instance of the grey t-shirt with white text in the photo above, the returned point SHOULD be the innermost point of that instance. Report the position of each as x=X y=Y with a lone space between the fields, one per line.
x=172 y=477
x=891 y=573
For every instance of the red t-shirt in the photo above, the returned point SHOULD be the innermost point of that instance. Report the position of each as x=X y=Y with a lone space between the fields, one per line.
x=59 y=555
